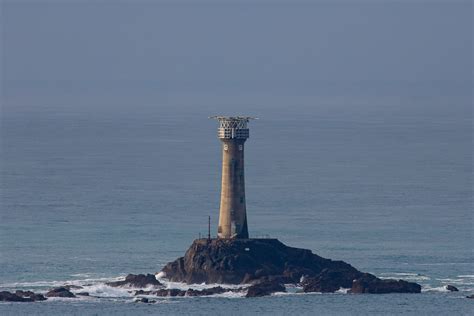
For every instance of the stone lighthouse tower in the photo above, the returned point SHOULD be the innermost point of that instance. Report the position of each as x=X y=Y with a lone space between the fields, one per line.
x=233 y=133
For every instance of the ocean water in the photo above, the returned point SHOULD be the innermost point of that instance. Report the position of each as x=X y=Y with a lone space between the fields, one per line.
x=92 y=194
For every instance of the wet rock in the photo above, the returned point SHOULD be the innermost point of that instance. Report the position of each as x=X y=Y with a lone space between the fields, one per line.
x=470 y=296
x=137 y=280
x=193 y=292
x=24 y=293
x=144 y=300
x=207 y=292
x=60 y=292
x=21 y=296
x=369 y=283
x=170 y=292
x=272 y=278
x=329 y=281
x=30 y=295
x=262 y=261
x=452 y=288
x=227 y=261
x=82 y=293
x=6 y=296
x=264 y=288
x=142 y=292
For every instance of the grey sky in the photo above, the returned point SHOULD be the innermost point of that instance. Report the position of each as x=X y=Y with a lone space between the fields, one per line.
x=108 y=47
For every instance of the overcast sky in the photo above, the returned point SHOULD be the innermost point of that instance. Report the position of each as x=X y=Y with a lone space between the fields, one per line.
x=113 y=48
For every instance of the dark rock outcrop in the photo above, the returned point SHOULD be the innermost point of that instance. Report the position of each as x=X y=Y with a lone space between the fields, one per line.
x=82 y=294
x=144 y=300
x=470 y=296
x=452 y=288
x=369 y=283
x=189 y=292
x=169 y=292
x=30 y=295
x=210 y=291
x=331 y=280
x=21 y=296
x=136 y=280
x=6 y=296
x=235 y=261
x=142 y=292
x=265 y=288
x=60 y=292
x=257 y=261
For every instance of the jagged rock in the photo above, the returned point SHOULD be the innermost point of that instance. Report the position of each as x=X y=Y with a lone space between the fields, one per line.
x=60 y=292
x=170 y=292
x=207 y=292
x=256 y=261
x=21 y=296
x=238 y=261
x=144 y=300
x=264 y=288
x=329 y=280
x=141 y=292
x=83 y=293
x=452 y=288
x=6 y=296
x=24 y=293
x=369 y=283
x=470 y=296
x=270 y=278
x=190 y=292
x=30 y=295
x=137 y=280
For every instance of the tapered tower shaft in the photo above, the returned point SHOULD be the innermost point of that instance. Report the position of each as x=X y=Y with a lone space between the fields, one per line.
x=233 y=133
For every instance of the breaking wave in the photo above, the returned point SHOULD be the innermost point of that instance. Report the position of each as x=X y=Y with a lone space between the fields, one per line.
x=428 y=288
x=99 y=290
x=405 y=276
x=48 y=284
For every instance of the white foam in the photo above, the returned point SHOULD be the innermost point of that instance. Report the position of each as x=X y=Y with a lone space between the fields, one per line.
x=428 y=288
x=283 y=293
x=405 y=276
x=293 y=289
x=342 y=291
x=202 y=286
x=102 y=290
x=83 y=275
x=457 y=281
x=442 y=263
x=402 y=273
x=78 y=282
x=229 y=294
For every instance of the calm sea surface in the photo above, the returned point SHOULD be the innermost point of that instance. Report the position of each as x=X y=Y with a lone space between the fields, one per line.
x=91 y=195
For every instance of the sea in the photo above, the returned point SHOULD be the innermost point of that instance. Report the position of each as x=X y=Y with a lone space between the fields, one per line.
x=92 y=193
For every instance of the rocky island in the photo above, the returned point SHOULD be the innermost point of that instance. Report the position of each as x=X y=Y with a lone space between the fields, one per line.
x=265 y=262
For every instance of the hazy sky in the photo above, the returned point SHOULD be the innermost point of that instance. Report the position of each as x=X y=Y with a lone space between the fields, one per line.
x=116 y=49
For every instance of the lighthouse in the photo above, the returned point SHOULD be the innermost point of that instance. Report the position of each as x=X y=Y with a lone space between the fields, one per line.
x=233 y=132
